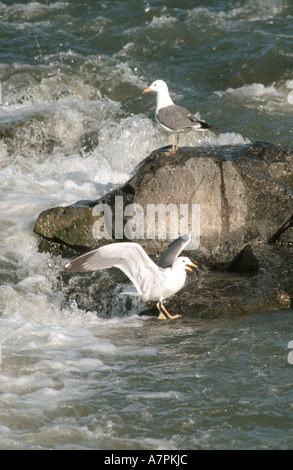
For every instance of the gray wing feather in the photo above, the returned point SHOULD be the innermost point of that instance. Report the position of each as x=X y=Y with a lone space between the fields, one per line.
x=173 y=251
x=176 y=118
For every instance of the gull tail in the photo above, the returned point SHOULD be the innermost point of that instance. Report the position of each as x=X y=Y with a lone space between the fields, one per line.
x=204 y=125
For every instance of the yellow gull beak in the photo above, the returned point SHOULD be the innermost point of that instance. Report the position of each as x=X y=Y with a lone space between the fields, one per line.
x=147 y=90
x=191 y=266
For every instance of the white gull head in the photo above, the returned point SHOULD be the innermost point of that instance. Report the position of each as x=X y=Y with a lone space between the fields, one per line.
x=163 y=97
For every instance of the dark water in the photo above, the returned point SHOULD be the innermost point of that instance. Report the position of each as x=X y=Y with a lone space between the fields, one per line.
x=73 y=124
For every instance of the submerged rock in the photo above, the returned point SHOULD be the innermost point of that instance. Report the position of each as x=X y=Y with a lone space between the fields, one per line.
x=243 y=200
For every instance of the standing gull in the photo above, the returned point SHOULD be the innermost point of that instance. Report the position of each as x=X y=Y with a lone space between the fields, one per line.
x=151 y=281
x=172 y=118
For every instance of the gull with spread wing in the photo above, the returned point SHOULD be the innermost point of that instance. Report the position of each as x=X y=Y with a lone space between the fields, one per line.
x=151 y=281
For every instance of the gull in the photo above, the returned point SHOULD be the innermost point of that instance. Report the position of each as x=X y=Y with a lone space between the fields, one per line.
x=172 y=118
x=151 y=281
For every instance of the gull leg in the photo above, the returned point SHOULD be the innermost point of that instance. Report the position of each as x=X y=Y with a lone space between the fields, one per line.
x=172 y=317
x=177 y=141
x=173 y=143
x=161 y=315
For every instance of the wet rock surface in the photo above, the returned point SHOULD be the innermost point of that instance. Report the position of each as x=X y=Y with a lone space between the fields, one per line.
x=246 y=229
x=259 y=279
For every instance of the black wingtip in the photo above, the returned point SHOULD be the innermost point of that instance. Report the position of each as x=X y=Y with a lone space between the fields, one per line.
x=204 y=125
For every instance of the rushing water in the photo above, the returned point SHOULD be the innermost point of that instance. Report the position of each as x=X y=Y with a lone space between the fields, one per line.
x=74 y=124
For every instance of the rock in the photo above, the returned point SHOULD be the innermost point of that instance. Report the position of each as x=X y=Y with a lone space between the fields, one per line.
x=244 y=195
x=259 y=279
x=65 y=228
x=245 y=198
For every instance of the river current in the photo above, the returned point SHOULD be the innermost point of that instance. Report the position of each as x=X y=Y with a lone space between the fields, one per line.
x=74 y=124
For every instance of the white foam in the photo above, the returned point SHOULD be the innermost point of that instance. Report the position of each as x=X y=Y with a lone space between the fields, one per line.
x=254 y=90
x=228 y=138
x=289 y=85
x=272 y=98
x=162 y=21
x=130 y=140
x=254 y=10
x=170 y=394
x=29 y=11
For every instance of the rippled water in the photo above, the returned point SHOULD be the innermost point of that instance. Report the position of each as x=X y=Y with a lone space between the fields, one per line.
x=73 y=124
x=72 y=380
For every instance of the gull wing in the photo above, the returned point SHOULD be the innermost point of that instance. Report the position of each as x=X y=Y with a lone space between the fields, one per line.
x=173 y=251
x=176 y=117
x=128 y=257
